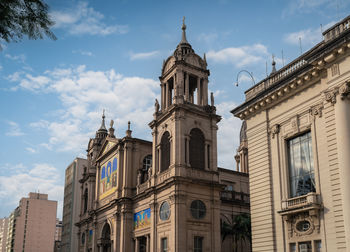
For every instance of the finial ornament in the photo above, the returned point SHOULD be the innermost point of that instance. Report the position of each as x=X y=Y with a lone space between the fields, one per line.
x=183 y=39
x=111 y=124
x=273 y=64
x=128 y=125
x=212 y=99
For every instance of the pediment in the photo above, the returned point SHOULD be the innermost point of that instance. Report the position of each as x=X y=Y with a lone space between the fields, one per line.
x=107 y=145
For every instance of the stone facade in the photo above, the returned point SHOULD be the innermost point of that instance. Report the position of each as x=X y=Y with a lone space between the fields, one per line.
x=298 y=137
x=168 y=194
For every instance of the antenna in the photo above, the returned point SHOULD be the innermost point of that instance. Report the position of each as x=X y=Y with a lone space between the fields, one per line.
x=301 y=50
x=266 y=68
x=282 y=58
x=337 y=10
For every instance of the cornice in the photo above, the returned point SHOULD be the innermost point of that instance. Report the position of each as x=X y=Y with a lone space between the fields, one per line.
x=295 y=83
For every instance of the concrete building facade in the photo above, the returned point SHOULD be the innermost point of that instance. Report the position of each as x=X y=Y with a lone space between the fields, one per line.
x=168 y=194
x=32 y=225
x=72 y=204
x=3 y=233
x=298 y=141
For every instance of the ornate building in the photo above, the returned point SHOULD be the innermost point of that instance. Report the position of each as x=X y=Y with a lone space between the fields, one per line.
x=298 y=137
x=168 y=194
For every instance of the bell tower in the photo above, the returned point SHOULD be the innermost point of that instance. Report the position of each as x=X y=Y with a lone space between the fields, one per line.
x=184 y=125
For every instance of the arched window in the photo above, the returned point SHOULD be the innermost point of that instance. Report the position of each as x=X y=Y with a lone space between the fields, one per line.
x=106 y=237
x=165 y=151
x=197 y=145
x=146 y=165
x=85 y=200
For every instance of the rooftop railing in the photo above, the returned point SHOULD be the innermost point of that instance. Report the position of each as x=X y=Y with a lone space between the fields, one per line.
x=337 y=29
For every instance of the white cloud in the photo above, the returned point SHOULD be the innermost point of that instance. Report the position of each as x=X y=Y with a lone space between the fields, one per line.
x=84 y=53
x=309 y=37
x=41 y=177
x=85 y=20
x=239 y=56
x=31 y=150
x=228 y=135
x=14 y=129
x=145 y=55
x=83 y=94
x=19 y=58
x=208 y=37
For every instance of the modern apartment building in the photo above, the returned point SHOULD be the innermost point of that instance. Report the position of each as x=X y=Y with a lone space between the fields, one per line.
x=32 y=225
x=3 y=233
x=72 y=204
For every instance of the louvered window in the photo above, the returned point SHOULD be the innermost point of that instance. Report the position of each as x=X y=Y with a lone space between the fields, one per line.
x=165 y=151
x=197 y=145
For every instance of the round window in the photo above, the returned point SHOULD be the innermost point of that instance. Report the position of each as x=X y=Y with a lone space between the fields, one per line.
x=83 y=238
x=303 y=226
x=198 y=209
x=164 y=211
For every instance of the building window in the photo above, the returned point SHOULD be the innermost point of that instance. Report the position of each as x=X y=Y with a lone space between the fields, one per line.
x=292 y=247
x=198 y=244
x=146 y=165
x=83 y=238
x=197 y=145
x=198 y=209
x=85 y=200
x=164 y=212
x=318 y=246
x=165 y=151
x=301 y=168
x=305 y=247
x=164 y=244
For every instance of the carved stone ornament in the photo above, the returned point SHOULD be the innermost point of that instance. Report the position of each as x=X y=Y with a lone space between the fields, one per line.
x=331 y=97
x=316 y=110
x=344 y=90
x=275 y=129
x=303 y=225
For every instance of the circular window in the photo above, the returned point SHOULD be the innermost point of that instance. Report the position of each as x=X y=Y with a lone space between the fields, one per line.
x=198 y=209
x=83 y=238
x=164 y=211
x=303 y=226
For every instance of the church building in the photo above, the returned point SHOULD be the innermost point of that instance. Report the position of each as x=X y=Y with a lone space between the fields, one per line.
x=168 y=194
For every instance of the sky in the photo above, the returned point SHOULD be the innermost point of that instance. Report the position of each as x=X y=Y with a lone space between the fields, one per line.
x=109 y=55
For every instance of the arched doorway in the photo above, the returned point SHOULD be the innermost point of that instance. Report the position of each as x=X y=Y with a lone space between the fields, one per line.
x=106 y=238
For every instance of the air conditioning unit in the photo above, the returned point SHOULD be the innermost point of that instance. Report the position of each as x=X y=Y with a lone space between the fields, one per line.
x=303 y=248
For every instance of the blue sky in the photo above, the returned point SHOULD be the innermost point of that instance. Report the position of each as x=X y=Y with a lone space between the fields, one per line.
x=109 y=56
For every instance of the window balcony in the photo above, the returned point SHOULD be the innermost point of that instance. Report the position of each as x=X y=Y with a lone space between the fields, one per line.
x=310 y=201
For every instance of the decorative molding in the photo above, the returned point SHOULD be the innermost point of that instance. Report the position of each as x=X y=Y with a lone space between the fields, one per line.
x=275 y=129
x=316 y=110
x=294 y=121
x=330 y=96
x=344 y=90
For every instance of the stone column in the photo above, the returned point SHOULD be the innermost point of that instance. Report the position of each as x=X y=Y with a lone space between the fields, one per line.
x=342 y=120
x=199 y=92
x=137 y=245
x=162 y=94
x=166 y=95
x=187 y=88
x=206 y=156
x=147 y=243
x=205 y=91
x=160 y=159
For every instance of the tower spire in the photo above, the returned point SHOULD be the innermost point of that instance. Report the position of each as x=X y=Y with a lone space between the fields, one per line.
x=183 y=39
x=273 y=65
x=103 y=126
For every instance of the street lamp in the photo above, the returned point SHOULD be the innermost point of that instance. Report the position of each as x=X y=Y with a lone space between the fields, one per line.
x=250 y=74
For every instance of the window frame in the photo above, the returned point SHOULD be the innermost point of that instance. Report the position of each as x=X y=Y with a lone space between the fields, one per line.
x=195 y=246
x=162 y=248
x=282 y=149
